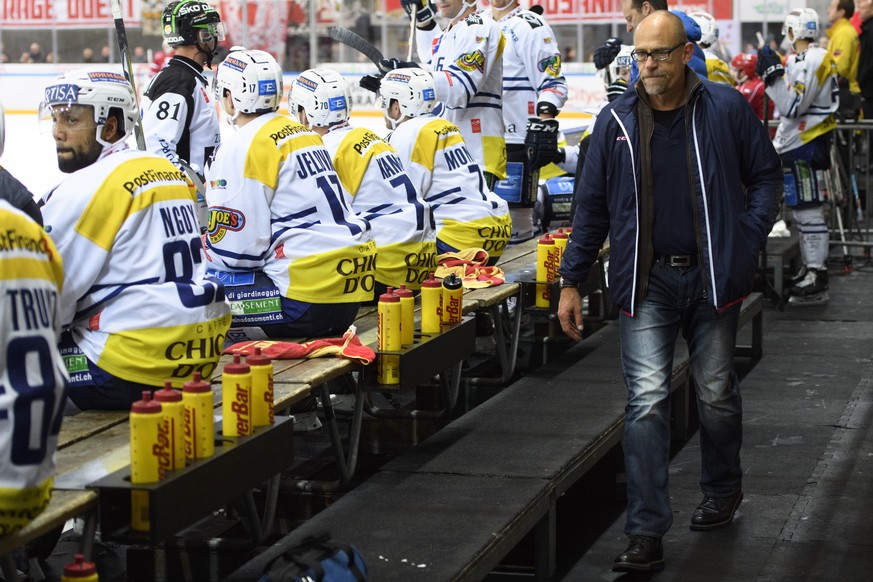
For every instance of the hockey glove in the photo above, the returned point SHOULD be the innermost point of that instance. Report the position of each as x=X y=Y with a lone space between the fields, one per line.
x=371 y=82
x=422 y=10
x=606 y=53
x=769 y=66
x=388 y=65
x=541 y=142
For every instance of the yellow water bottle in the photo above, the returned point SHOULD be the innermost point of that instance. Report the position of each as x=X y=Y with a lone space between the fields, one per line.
x=173 y=411
x=431 y=305
x=197 y=398
x=453 y=297
x=387 y=365
x=262 y=388
x=547 y=269
x=80 y=570
x=236 y=399
x=149 y=455
x=560 y=239
x=407 y=315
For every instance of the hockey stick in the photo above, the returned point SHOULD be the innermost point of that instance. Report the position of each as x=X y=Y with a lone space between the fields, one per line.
x=124 y=51
x=411 y=43
x=350 y=38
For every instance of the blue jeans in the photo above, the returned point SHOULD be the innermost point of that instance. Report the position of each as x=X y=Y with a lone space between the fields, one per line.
x=676 y=300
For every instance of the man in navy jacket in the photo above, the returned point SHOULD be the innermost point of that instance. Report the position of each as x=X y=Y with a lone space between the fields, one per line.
x=682 y=177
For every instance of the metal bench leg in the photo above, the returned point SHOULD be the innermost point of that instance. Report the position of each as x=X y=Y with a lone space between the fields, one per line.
x=346 y=459
x=88 y=534
x=758 y=335
x=545 y=533
x=506 y=350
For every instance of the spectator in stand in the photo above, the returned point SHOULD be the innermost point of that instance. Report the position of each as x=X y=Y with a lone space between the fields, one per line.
x=87 y=55
x=569 y=54
x=106 y=54
x=25 y=58
x=4 y=58
x=864 y=10
x=36 y=54
x=139 y=55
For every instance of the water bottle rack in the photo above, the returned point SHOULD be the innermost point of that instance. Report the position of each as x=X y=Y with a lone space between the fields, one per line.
x=187 y=495
x=428 y=355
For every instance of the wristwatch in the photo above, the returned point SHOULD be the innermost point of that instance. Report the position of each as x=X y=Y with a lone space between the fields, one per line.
x=568 y=283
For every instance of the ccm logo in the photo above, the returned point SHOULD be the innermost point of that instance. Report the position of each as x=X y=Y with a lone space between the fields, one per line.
x=621 y=138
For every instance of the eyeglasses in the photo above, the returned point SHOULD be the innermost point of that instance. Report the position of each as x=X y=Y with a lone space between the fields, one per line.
x=658 y=55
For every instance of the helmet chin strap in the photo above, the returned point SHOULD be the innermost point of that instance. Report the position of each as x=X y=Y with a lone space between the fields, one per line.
x=209 y=53
x=464 y=6
x=231 y=119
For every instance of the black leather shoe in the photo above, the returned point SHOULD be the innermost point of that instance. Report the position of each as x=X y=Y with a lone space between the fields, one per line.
x=715 y=512
x=644 y=554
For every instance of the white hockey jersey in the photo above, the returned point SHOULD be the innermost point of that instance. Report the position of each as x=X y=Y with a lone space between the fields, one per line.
x=467 y=63
x=277 y=205
x=467 y=213
x=807 y=98
x=531 y=69
x=32 y=375
x=136 y=295
x=178 y=117
x=381 y=192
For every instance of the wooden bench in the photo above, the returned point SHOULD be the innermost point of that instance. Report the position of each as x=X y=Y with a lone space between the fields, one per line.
x=458 y=503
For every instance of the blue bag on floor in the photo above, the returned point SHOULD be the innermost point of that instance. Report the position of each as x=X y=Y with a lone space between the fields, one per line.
x=317 y=559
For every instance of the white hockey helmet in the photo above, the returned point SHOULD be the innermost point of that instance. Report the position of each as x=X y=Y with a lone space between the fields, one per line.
x=323 y=94
x=98 y=88
x=801 y=23
x=708 y=27
x=621 y=63
x=254 y=80
x=412 y=88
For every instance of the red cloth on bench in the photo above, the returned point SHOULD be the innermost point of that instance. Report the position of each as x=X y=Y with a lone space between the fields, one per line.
x=348 y=346
x=471 y=266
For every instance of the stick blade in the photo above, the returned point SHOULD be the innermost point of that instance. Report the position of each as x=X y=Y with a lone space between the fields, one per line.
x=357 y=42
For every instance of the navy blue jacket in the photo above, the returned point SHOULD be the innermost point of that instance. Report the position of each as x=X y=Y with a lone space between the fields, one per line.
x=736 y=182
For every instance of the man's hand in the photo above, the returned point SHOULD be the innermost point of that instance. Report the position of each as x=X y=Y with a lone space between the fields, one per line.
x=570 y=313
x=769 y=66
x=387 y=65
x=606 y=53
x=541 y=142
x=422 y=10
x=371 y=82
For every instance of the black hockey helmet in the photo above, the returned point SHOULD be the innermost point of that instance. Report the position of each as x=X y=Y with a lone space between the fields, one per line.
x=191 y=22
